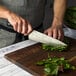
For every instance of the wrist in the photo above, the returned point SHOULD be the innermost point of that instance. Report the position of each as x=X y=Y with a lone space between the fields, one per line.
x=57 y=21
x=7 y=14
x=4 y=12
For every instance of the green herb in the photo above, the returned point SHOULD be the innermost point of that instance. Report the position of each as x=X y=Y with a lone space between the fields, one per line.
x=70 y=17
x=53 y=48
x=56 y=48
x=52 y=65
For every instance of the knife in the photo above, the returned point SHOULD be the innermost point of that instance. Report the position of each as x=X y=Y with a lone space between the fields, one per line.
x=43 y=38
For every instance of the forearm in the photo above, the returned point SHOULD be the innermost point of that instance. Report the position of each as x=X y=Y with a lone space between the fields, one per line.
x=4 y=12
x=59 y=10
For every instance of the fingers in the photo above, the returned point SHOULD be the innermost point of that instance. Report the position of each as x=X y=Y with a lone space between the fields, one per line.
x=19 y=24
x=55 y=33
x=60 y=35
x=14 y=24
x=24 y=27
x=49 y=34
x=29 y=28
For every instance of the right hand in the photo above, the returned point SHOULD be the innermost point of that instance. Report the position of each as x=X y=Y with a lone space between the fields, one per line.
x=19 y=24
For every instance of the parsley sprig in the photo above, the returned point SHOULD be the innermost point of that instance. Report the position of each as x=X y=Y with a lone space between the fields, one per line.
x=56 y=48
x=52 y=65
x=53 y=48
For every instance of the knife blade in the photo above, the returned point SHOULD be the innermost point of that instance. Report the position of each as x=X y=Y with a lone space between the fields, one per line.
x=43 y=38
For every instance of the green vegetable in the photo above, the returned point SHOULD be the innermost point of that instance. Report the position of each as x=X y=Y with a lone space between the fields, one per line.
x=53 y=48
x=56 y=48
x=72 y=8
x=52 y=65
x=70 y=17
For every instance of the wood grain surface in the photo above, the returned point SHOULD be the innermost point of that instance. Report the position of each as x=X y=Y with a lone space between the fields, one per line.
x=26 y=58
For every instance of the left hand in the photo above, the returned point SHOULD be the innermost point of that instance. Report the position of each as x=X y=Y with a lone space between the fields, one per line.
x=55 y=31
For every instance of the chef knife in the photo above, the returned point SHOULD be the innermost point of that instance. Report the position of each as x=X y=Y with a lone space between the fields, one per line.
x=43 y=38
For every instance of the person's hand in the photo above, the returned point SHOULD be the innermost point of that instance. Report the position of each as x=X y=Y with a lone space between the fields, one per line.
x=55 y=31
x=19 y=24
